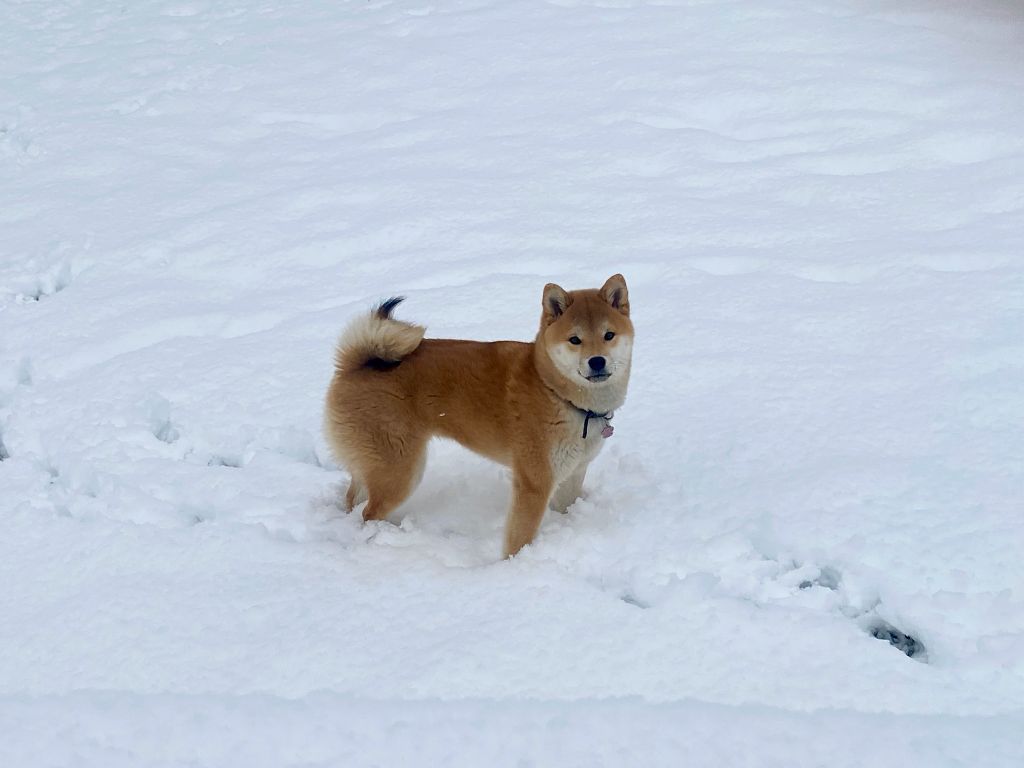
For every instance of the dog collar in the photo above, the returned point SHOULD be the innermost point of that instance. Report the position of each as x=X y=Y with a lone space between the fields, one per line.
x=608 y=429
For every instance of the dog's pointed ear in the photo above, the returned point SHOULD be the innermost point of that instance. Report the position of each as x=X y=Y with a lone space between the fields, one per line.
x=614 y=291
x=555 y=302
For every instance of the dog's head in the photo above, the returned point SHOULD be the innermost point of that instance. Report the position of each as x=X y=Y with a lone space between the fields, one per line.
x=588 y=337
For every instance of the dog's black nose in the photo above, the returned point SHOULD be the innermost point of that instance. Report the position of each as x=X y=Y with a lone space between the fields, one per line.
x=596 y=363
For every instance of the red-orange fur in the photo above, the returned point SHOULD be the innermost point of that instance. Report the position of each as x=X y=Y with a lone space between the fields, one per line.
x=510 y=401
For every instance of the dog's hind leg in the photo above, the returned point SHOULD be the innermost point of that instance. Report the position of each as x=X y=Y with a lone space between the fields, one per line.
x=390 y=481
x=356 y=493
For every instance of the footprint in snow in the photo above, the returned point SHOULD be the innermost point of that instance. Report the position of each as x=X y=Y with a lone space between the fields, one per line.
x=831 y=578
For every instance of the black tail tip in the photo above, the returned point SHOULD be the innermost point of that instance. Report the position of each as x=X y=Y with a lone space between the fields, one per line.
x=385 y=308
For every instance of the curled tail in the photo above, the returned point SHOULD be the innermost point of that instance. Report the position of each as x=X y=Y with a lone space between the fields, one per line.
x=377 y=340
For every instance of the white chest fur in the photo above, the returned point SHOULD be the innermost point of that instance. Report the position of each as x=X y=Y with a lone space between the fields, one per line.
x=571 y=451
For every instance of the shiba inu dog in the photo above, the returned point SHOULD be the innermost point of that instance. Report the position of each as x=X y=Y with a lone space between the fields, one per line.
x=541 y=408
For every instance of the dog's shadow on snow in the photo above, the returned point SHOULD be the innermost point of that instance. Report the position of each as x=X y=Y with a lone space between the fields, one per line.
x=460 y=494
x=456 y=514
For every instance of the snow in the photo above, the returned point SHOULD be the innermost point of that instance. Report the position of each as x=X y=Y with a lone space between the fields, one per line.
x=819 y=209
x=324 y=729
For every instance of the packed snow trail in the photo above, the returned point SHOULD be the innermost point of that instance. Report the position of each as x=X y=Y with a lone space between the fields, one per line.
x=819 y=209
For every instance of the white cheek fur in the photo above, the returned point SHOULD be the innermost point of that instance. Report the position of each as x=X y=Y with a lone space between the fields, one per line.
x=620 y=356
x=565 y=360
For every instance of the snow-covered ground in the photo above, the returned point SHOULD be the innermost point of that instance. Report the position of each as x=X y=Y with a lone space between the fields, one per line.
x=819 y=208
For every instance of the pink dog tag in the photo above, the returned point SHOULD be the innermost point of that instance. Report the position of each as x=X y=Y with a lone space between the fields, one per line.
x=607 y=431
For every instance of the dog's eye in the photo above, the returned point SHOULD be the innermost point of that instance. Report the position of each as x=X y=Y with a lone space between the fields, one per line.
x=575 y=340
x=609 y=336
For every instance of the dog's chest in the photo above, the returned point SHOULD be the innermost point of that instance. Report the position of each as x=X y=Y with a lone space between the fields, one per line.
x=571 y=450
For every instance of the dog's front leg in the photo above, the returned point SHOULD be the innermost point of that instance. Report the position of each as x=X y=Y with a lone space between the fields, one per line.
x=569 y=490
x=531 y=489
